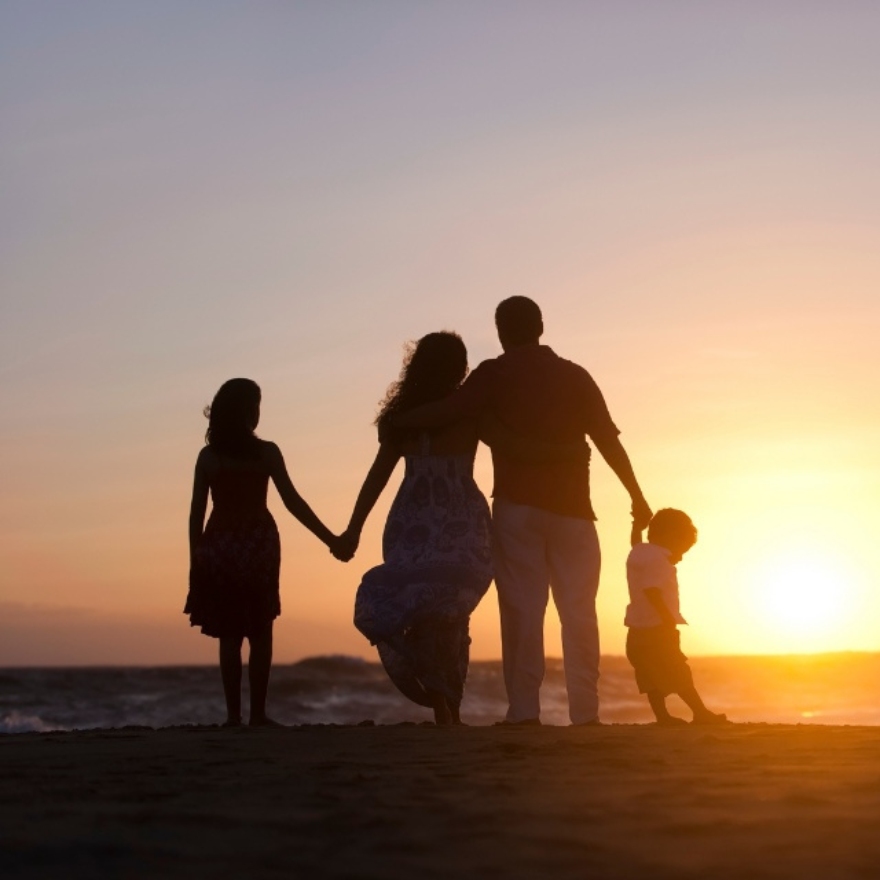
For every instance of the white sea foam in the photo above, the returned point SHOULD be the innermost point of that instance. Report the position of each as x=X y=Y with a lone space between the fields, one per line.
x=17 y=722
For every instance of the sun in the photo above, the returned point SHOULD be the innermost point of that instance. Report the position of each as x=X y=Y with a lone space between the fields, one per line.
x=806 y=598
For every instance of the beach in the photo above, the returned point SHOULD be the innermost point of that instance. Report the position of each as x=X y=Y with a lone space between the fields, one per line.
x=756 y=800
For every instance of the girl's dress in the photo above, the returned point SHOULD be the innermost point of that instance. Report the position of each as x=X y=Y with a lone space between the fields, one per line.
x=233 y=584
x=436 y=547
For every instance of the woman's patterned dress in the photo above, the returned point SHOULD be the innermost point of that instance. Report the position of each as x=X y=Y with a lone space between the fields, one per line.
x=436 y=547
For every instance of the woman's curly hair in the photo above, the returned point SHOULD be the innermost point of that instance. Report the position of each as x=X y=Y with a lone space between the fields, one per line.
x=432 y=368
x=232 y=419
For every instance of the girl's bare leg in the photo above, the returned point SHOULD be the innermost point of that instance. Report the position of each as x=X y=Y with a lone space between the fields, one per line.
x=259 y=667
x=230 y=672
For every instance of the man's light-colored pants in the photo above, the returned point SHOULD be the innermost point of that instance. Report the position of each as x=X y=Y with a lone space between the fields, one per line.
x=536 y=551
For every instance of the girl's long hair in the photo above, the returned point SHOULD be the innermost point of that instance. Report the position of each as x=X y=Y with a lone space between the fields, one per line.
x=232 y=419
x=432 y=368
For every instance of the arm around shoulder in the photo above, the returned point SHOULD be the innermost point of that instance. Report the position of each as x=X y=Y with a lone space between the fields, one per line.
x=466 y=402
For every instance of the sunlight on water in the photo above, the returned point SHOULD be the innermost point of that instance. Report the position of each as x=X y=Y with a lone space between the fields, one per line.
x=806 y=689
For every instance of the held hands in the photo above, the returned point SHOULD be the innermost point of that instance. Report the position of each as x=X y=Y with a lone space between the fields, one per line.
x=641 y=515
x=343 y=546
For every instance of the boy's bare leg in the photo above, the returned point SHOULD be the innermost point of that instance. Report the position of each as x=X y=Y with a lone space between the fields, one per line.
x=661 y=713
x=701 y=714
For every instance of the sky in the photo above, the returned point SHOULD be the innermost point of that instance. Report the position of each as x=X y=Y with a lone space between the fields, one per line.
x=291 y=191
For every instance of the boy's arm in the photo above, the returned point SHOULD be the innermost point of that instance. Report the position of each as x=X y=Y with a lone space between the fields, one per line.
x=655 y=597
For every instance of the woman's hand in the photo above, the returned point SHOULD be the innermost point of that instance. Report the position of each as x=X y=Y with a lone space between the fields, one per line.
x=344 y=546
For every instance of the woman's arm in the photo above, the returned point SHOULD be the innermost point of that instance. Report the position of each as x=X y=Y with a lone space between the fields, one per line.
x=199 y=504
x=499 y=437
x=376 y=480
x=293 y=501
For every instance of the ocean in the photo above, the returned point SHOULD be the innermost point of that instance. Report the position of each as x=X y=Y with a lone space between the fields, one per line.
x=805 y=689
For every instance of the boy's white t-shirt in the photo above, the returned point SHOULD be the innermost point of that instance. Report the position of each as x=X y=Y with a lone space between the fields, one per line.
x=647 y=567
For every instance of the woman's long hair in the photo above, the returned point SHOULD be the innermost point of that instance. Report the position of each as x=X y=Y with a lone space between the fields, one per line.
x=232 y=418
x=432 y=368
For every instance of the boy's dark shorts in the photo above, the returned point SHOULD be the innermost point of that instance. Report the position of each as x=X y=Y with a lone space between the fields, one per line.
x=656 y=657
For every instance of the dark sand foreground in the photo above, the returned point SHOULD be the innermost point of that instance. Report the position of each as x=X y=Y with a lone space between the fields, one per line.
x=744 y=801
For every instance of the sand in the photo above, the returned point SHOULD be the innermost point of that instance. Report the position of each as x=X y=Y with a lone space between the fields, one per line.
x=622 y=801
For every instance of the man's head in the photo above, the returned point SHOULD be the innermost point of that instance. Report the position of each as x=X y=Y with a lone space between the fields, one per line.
x=673 y=530
x=519 y=322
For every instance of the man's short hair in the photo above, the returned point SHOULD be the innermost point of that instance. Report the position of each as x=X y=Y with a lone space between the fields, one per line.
x=671 y=523
x=519 y=319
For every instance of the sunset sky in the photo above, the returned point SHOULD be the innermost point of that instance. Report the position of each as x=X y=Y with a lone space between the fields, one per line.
x=290 y=191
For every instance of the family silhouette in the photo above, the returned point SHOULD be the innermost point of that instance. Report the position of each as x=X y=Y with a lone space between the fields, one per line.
x=441 y=545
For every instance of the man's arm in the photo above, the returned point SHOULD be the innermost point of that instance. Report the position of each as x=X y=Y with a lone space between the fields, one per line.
x=431 y=415
x=611 y=449
x=467 y=402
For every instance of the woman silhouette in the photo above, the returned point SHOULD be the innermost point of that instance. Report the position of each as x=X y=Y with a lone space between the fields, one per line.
x=416 y=606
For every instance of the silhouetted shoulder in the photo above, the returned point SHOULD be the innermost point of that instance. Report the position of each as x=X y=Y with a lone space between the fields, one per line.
x=207 y=460
x=270 y=452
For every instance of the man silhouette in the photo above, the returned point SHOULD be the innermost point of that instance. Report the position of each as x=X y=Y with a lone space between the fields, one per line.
x=543 y=523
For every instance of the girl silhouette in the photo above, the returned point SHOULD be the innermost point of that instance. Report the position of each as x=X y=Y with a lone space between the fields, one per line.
x=235 y=559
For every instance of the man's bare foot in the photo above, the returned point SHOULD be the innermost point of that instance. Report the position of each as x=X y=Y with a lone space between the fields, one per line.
x=708 y=717
x=231 y=722
x=264 y=721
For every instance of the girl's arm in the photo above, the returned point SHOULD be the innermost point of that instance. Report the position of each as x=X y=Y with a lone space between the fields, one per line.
x=376 y=480
x=199 y=504
x=293 y=501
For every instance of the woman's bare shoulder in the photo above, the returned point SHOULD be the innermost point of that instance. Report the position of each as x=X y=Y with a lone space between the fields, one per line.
x=206 y=458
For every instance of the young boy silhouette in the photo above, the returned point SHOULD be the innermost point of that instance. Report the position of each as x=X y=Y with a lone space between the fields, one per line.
x=652 y=616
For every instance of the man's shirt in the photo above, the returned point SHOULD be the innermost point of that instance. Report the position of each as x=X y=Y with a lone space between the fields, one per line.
x=544 y=397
